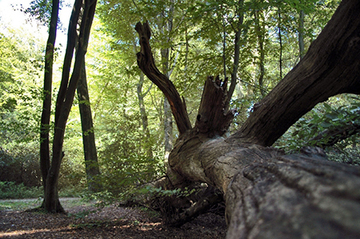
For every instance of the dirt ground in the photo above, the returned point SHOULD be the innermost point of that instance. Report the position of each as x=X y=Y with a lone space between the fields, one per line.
x=87 y=221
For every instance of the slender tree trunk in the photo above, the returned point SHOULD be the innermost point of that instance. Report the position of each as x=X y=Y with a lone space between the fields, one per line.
x=301 y=34
x=224 y=44
x=144 y=119
x=168 y=121
x=46 y=110
x=240 y=13
x=261 y=38
x=88 y=134
x=168 y=129
x=143 y=115
x=280 y=44
x=72 y=39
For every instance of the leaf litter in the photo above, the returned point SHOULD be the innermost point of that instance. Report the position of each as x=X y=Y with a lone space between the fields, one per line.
x=89 y=221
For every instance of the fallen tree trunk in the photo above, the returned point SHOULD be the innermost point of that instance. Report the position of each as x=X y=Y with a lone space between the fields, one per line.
x=269 y=194
x=294 y=197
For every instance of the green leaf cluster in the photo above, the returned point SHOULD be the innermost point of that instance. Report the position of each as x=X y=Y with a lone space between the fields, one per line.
x=338 y=112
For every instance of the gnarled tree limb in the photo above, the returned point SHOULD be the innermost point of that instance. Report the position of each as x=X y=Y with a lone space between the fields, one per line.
x=146 y=63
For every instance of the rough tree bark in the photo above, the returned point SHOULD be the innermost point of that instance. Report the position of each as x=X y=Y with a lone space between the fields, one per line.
x=269 y=194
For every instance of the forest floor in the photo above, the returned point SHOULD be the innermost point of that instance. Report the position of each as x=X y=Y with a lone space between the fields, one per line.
x=85 y=220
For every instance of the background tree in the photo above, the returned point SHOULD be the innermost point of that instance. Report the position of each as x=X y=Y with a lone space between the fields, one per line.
x=90 y=152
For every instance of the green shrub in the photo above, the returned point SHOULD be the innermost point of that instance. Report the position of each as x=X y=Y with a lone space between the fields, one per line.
x=331 y=115
x=72 y=191
x=11 y=190
x=20 y=166
x=349 y=155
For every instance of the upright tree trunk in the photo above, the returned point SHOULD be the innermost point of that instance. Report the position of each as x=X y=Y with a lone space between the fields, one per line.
x=280 y=44
x=47 y=89
x=261 y=38
x=143 y=115
x=168 y=121
x=224 y=44
x=301 y=34
x=88 y=134
x=168 y=129
x=233 y=82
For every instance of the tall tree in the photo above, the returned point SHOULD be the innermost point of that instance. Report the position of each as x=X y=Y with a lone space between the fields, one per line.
x=269 y=194
x=301 y=34
x=166 y=25
x=47 y=89
x=87 y=126
x=260 y=32
x=66 y=95
x=280 y=44
x=239 y=28
x=143 y=115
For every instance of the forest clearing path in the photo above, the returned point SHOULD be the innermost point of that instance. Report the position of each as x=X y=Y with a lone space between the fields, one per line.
x=85 y=220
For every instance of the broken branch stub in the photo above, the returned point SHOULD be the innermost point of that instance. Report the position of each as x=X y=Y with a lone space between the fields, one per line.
x=212 y=118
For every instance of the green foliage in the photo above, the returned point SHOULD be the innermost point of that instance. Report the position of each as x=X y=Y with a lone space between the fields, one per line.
x=21 y=166
x=349 y=155
x=126 y=163
x=21 y=174
x=20 y=205
x=337 y=113
x=130 y=154
x=20 y=66
x=40 y=10
x=10 y=190
x=72 y=174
